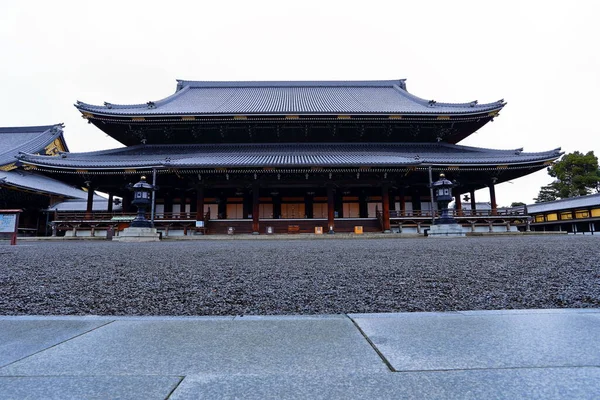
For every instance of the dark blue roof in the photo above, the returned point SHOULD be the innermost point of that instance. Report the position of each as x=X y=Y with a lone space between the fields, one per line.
x=289 y=155
x=26 y=139
x=292 y=97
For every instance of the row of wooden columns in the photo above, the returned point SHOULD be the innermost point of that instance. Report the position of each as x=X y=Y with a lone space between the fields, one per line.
x=199 y=206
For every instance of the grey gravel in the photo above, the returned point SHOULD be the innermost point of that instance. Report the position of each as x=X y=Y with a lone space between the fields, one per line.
x=270 y=277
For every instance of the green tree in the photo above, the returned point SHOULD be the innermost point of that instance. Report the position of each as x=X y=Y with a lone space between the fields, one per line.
x=576 y=174
x=517 y=204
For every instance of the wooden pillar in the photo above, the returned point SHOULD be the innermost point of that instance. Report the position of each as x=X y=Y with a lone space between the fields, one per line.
x=90 y=203
x=182 y=204
x=109 y=207
x=392 y=200
x=339 y=205
x=493 y=199
x=385 y=199
x=309 y=201
x=168 y=205
x=330 y=209
x=222 y=206
x=473 y=202
x=363 y=207
x=127 y=201
x=200 y=203
x=402 y=203
x=416 y=201
x=255 y=209
x=458 y=203
x=276 y=204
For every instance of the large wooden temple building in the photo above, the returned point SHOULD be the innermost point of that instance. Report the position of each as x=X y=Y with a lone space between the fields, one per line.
x=292 y=156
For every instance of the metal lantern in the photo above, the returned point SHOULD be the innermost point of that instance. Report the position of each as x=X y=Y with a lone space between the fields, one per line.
x=142 y=200
x=442 y=191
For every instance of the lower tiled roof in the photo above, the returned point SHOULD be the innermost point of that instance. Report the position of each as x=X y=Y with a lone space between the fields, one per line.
x=26 y=180
x=288 y=155
x=592 y=200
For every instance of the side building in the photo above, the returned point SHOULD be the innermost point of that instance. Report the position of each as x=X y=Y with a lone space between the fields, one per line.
x=294 y=156
x=31 y=191
x=574 y=215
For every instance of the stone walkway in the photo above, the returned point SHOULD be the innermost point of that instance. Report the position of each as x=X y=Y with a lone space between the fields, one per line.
x=545 y=354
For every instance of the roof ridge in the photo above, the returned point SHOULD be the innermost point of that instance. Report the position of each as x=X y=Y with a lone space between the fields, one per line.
x=182 y=83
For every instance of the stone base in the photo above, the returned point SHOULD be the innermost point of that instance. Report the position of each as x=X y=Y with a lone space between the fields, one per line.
x=454 y=230
x=138 y=235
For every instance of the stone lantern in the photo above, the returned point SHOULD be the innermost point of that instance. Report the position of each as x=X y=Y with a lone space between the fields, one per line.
x=140 y=229
x=142 y=192
x=442 y=192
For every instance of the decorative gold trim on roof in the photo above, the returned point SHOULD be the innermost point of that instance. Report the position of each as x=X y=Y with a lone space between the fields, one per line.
x=87 y=115
x=138 y=118
x=81 y=171
x=292 y=117
x=453 y=167
x=443 y=117
x=501 y=166
x=55 y=147
x=492 y=113
x=395 y=117
x=344 y=117
x=188 y=118
x=240 y=117
x=130 y=171
x=8 y=167
x=548 y=162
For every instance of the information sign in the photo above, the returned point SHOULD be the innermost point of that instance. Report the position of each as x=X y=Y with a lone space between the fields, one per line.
x=8 y=223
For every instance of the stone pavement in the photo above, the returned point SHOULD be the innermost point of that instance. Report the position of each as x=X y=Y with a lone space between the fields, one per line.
x=545 y=354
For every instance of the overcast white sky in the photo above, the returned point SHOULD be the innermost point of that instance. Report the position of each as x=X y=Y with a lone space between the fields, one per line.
x=542 y=57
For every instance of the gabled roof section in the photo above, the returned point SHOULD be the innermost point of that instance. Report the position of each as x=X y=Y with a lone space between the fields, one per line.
x=288 y=155
x=565 y=204
x=28 y=139
x=205 y=98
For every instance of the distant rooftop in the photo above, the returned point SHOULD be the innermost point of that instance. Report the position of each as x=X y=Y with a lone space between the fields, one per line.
x=292 y=97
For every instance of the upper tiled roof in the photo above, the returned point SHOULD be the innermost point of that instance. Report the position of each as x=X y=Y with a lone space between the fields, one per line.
x=288 y=155
x=565 y=204
x=292 y=97
x=38 y=183
x=27 y=139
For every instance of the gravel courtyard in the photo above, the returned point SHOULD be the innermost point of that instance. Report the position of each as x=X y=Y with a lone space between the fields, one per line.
x=259 y=277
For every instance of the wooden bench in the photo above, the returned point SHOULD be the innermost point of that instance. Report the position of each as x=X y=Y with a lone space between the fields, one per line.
x=293 y=229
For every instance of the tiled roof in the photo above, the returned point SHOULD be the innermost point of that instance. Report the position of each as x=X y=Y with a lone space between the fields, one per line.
x=565 y=204
x=288 y=155
x=27 y=139
x=99 y=204
x=292 y=97
x=38 y=183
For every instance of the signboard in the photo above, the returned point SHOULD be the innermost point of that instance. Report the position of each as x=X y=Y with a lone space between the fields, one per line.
x=199 y=224
x=8 y=223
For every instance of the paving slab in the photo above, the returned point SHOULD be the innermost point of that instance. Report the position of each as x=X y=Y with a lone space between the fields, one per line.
x=188 y=346
x=88 y=387
x=552 y=383
x=453 y=341
x=20 y=338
